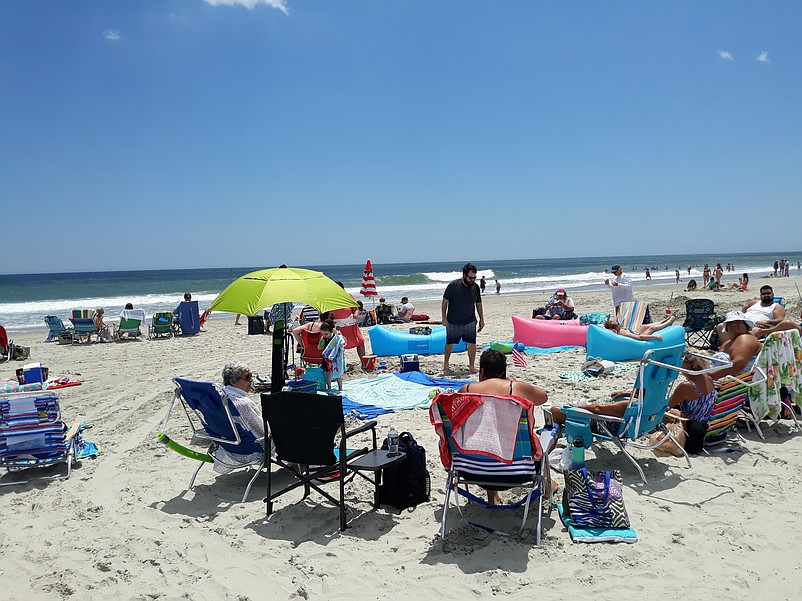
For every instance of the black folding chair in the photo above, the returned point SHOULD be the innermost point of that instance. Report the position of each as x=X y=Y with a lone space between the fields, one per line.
x=700 y=322
x=307 y=432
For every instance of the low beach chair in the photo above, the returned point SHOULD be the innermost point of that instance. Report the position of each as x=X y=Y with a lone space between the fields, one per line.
x=161 y=325
x=131 y=321
x=632 y=313
x=700 y=322
x=83 y=324
x=54 y=326
x=489 y=441
x=32 y=432
x=217 y=421
x=312 y=354
x=729 y=408
x=307 y=432
x=648 y=403
x=189 y=318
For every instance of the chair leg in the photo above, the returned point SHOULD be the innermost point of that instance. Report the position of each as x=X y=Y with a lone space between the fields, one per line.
x=623 y=449
x=195 y=475
x=255 y=476
x=445 y=506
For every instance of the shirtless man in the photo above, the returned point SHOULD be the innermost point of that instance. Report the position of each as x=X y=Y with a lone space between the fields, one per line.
x=493 y=380
x=765 y=315
x=741 y=345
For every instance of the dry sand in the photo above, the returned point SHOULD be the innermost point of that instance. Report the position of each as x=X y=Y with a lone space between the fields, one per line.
x=124 y=527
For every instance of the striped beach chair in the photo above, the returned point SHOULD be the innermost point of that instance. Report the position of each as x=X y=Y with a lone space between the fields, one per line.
x=83 y=324
x=728 y=409
x=631 y=314
x=489 y=441
x=32 y=432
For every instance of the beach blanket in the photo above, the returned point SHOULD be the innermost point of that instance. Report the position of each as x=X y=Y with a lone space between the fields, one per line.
x=418 y=377
x=596 y=535
x=12 y=385
x=578 y=376
x=536 y=350
x=781 y=361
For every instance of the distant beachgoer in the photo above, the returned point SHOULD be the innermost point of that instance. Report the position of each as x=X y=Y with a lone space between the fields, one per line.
x=705 y=274
x=482 y=284
x=648 y=274
x=689 y=270
x=460 y=299
x=718 y=273
x=498 y=287
x=643 y=331
x=406 y=310
x=676 y=275
x=559 y=306
x=745 y=280
x=346 y=322
x=621 y=288
x=691 y=286
x=102 y=330
x=129 y=305
x=776 y=267
x=236 y=320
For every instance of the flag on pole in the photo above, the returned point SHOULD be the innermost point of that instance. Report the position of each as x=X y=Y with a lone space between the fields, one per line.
x=368 y=283
x=517 y=358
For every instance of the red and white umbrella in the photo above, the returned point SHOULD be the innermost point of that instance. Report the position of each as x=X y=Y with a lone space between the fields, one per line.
x=368 y=283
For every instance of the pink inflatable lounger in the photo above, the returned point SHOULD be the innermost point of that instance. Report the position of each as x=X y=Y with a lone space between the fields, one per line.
x=547 y=333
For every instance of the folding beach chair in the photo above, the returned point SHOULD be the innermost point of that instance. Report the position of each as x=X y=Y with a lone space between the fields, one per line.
x=312 y=355
x=189 y=318
x=54 y=326
x=307 y=432
x=489 y=441
x=648 y=403
x=32 y=433
x=215 y=419
x=131 y=321
x=83 y=324
x=729 y=408
x=632 y=313
x=161 y=325
x=700 y=322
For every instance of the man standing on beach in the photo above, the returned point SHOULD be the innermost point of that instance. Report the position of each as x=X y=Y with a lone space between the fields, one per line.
x=620 y=286
x=459 y=300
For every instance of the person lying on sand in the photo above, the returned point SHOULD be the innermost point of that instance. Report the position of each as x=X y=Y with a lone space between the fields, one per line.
x=644 y=331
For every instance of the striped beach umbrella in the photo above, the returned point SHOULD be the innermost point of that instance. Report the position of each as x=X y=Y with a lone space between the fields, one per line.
x=368 y=283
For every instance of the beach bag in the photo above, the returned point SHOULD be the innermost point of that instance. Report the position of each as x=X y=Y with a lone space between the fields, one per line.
x=596 y=366
x=406 y=483
x=595 y=499
x=668 y=447
x=18 y=353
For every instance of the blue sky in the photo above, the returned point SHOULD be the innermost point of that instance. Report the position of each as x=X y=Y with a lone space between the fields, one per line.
x=205 y=133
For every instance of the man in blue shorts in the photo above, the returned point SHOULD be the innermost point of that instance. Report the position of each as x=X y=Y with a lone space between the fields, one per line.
x=459 y=300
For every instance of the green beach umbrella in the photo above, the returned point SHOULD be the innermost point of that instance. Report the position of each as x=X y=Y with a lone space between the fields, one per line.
x=258 y=290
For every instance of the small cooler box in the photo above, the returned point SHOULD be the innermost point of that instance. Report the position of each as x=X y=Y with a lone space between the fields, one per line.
x=65 y=337
x=409 y=363
x=369 y=362
x=316 y=374
x=32 y=373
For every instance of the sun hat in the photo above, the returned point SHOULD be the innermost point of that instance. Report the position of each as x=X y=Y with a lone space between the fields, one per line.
x=737 y=316
x=561 y=291
x=615 y=267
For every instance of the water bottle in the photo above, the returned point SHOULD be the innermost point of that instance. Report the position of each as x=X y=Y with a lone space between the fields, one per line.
x=578 y=453
x=392 y=442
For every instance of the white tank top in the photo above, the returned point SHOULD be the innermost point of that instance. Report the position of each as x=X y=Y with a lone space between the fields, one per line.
x=757 y=312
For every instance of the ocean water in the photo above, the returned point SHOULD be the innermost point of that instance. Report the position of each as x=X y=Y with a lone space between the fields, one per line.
x=26 y=299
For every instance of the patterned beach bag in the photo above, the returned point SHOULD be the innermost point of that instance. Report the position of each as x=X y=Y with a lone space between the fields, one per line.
x=595 y=500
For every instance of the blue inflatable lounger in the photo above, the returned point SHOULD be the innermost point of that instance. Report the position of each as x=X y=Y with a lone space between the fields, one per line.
x=614 y=347
x=386 y=342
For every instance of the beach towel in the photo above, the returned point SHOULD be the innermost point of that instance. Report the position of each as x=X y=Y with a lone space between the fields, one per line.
x=596 y=535
x=781 y=361
x=335 y=353
x=535 y=350
x=386 y=391
x=578 y=376
x=484 y=425
x=418 y=377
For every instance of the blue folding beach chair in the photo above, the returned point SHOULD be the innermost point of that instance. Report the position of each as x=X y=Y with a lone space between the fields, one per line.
x=648 y=404
x=525 y=463
x=55 y=327
x=217 y=421
x=32 y=432
x=189 y=317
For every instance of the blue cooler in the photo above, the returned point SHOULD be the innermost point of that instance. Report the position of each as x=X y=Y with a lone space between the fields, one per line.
x=316 y=375
x=409 y=363
x=33 y=372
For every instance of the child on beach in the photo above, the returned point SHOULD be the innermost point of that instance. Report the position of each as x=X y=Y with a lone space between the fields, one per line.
x=333 y=355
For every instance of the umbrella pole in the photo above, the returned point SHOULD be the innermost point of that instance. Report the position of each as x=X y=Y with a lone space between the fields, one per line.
x=277 y=377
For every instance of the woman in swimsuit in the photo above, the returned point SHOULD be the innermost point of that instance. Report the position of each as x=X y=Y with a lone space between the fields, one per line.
x=644 y=331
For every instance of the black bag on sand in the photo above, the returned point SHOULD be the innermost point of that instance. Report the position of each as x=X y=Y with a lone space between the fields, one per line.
x=406 y=483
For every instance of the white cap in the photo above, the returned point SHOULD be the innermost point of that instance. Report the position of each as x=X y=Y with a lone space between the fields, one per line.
x=737 y=316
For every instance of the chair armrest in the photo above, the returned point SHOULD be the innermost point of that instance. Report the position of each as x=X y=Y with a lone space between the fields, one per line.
x=584 y=414
x=363 y=428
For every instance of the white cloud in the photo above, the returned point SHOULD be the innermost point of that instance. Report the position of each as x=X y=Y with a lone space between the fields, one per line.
x=725 y=54
x=112 y=34
x=251 y=4
x=763 y=57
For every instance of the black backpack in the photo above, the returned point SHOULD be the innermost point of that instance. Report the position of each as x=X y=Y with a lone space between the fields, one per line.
x=406 y=483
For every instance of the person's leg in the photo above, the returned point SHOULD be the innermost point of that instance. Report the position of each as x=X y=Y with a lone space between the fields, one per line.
x=328 y=381
x=360 y=350
x=785 y=324
x=447 y=355
x=494 y=498
x=472 y=358
x=614 y=409
x=651 y=328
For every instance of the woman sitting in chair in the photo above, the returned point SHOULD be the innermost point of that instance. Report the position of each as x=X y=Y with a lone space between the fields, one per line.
x=237 y=379
x=644 y=331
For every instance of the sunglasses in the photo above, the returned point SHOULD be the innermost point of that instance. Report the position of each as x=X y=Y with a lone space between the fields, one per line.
x=470 y=277
x=247 y=377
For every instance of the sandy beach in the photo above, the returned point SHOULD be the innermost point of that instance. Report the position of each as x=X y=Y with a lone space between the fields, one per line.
x=124 y=527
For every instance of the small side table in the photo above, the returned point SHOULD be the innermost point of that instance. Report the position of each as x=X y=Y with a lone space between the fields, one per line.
x=375 y=462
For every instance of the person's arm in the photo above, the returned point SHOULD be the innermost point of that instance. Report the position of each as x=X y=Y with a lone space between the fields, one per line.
x=779 y=314
x=683 y=392
x=535 y=394
x=625 y=282
x=481 y=313
x=741 y=352
x=296 y=332
x=444 y=310
x=745 y=308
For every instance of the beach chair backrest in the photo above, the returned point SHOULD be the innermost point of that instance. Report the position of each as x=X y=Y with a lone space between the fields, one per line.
x=311 y=341
x=631 y=314
x=732 y=395
x=698 y=312
x=189 y=317
x=218 y=416
x=130 y=325
x=780 y=300
x=84 y=325
x=653 y=382
x=303 y=426
x=31 y=425
x=54 y=324
x=162 y=322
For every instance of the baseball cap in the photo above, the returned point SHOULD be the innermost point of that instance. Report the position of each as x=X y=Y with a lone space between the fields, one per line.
x=737 y=316
x=560 y=291
x=615 y=267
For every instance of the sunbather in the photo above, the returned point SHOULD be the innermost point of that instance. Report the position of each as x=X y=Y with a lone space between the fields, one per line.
x=644 y=331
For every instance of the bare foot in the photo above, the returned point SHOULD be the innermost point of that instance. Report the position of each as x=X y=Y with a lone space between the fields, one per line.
x=494 y=498
x=473 y=370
